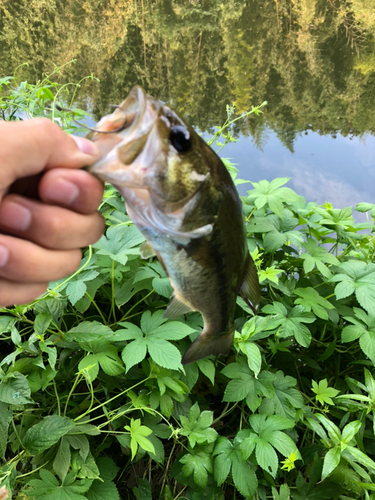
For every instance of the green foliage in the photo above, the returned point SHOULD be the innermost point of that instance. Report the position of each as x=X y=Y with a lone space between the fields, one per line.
x=91 y=380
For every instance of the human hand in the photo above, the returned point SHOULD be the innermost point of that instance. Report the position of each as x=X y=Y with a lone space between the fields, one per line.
x=48 y=208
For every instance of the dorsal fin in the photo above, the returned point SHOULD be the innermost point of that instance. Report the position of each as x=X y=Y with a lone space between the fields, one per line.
x=250 y=290
x=176 y=308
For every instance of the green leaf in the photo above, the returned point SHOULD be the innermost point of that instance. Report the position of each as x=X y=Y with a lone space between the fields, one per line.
x=75 y=291
x=289 y=323
x=254 y=357
x=88 y=330
x=360 y=457
x=45 y=433
x=357 y=277
x=164 y=353
x=134 y=353
x=15 y=390
x=48 y=487
x=198 y=427
x=78 y=442
x=143 y=491
x=266 y=457
x=41 y=323
x=323 y=392
x=198 y=463
x=61 y=462
x=311 y=300
x=207 y=367
x=271 y=194
x=350 y=430
x=364 y=329
x=119 y=242
x=285 y=400
x=284 y=493
x=138 y=437
x=222 y=463
x=244 y=476
x=317 y=257
x=331 y=461
x=5 y=419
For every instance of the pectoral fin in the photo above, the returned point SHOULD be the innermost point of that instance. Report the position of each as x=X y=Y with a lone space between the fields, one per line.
x=146 y=251
x=176 y=308
x=250 y=290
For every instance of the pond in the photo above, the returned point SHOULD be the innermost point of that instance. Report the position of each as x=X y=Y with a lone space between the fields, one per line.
x=312 y=60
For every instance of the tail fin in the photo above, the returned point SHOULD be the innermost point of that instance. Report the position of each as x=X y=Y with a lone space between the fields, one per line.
x=207 y=344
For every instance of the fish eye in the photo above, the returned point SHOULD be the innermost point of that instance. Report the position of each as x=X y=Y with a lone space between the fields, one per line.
x=180 y=139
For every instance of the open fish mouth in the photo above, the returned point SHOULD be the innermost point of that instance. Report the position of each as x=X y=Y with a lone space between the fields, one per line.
x=122 y=136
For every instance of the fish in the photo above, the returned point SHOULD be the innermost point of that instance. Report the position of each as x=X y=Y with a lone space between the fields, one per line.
x=182 y=198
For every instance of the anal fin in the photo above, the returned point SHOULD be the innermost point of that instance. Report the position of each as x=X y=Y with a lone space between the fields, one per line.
x=176 y=308
x=146 y=251
x=250 y=290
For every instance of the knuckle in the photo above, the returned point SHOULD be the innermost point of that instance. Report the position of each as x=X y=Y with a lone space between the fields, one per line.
x=98 y=225
x=73 y=261
x=47 y=131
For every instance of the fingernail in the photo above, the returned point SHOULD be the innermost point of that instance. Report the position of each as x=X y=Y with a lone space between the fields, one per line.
x=85 y=146
x=4 y=255
x=62 y=191
x=15 y=216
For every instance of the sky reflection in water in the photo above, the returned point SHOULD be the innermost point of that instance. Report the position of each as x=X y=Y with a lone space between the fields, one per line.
x=322 y=169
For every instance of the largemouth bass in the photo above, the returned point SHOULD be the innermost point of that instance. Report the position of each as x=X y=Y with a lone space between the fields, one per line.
x=180 y=195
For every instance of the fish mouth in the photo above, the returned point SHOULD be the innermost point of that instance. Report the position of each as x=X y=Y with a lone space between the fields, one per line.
x=126 y=132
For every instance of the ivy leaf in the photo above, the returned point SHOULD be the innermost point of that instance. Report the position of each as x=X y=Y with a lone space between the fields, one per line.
x=311 y=300
x=197 y=428
x=336 y=218
x=48 y=487
x=245 y=385
x=264 y=437
x=270 y=274
x=317 y=257
x=153 y=336
x=289 y=323
x=284 y=493
x=363 y=328
x=228 y=457
x=285 y=399
x=358 y=278
x=282 y=232
x=138 y=437
x=323 y=392
x=197 y=462
x=244 y=476
x=271 y=194
x=119 y=242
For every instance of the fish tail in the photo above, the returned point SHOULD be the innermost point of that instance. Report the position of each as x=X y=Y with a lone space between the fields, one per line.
x=208 y=343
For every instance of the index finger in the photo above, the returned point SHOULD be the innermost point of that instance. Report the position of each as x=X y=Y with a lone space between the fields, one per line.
x=29 y=147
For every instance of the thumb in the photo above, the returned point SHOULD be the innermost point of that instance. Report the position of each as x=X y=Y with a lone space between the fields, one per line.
x=29 y=147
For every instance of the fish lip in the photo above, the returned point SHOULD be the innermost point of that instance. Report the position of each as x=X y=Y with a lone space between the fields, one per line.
x=135 y=118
